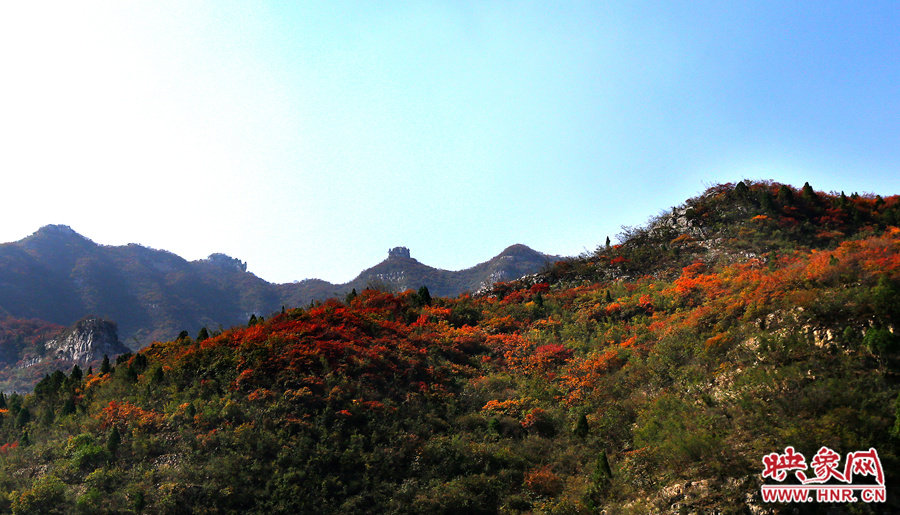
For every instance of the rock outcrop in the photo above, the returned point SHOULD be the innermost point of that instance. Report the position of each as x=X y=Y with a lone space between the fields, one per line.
x=88 y=340
x=399 y=253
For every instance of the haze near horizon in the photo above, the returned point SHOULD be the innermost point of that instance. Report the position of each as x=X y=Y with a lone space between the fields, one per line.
x=309 y=139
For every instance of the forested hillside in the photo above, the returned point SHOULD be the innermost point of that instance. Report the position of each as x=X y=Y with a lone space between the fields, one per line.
x=60 y=276
x=651 y=376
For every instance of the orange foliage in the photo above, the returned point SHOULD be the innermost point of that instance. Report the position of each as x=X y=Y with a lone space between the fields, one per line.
x=128 y=414
x=543 y=482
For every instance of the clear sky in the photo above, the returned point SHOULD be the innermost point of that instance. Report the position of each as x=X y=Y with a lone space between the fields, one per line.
x=307 y=138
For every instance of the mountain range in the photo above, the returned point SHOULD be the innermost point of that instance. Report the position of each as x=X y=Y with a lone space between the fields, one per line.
x=663 y=374
x=60 y=276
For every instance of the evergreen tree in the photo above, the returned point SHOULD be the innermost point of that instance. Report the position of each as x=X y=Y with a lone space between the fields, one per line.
x=23 y=418
x=767 y=201
x=807 y=194
x=843 y=202
x=582 y=428
x=603 y=472
x=252 y=322
x=139 y=501
x=104 y=366
x=424 y=296
x=76 y=373
x=68 y=406
x=203 y=334
x=350 y=296
x=114 y=440
x=785 y=195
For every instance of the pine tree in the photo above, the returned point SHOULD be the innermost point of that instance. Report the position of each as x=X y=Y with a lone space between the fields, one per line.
x=785 y=195
x=112 y=443
x=23 y=418
x=157 y=376
x=203 y=334
x=582 y=428
x=807 y=194
x=424 y=296
x=104 y=366
x=602 y=472
x=68 y=406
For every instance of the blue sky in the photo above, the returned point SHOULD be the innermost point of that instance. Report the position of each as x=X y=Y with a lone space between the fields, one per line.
x=308 y=138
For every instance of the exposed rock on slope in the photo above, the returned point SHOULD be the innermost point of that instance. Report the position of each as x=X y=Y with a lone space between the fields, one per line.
x=59 y=276
x=88 y=340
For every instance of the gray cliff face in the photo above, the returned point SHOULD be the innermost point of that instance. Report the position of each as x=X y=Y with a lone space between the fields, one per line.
x=88 y=340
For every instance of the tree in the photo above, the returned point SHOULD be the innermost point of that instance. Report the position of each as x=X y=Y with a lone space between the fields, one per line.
x=785 y=195
x=423 y=297
x=252 y=322
x=203 y=334
x=114 y=440
x=68 y=406
x=157 y=375
x=104 y=366
x=23 y=418
x=807 y=194
x=582 y=428
x=76 y=373
x=767 y=201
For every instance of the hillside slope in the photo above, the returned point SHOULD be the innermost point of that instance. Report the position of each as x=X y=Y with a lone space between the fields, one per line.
x=611 y=383
x=60 y=276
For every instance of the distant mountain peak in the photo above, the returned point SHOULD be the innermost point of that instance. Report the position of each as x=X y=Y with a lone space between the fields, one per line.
x=227 y=262
x=56 y=228
x=58 y=231
x=399 y=253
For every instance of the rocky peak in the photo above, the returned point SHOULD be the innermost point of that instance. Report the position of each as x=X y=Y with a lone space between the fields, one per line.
x=88 y=340
x=57 y=229
x=399 y=253
x=227 y=262
x=54 y=234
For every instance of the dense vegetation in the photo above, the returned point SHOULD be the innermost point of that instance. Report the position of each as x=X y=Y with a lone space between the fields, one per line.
x=649 y=376
x=60 y=276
